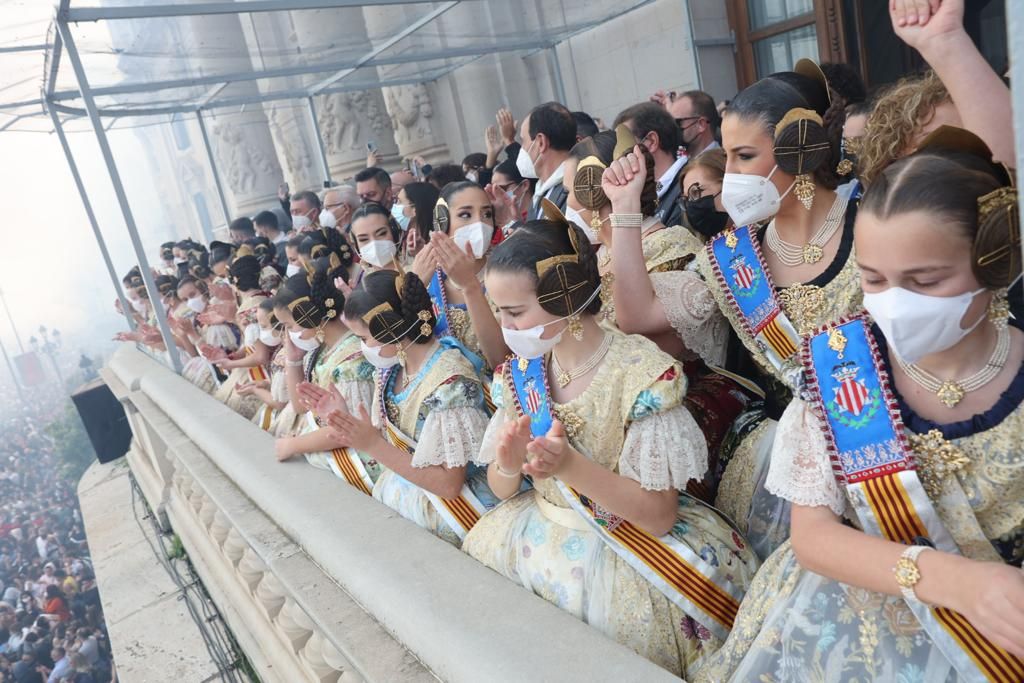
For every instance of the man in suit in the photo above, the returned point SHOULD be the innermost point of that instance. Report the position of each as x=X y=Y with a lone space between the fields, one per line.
x=547 y=133
x=655 y=129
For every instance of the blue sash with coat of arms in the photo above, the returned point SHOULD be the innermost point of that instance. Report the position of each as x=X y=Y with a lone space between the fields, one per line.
x=848 y=387
x=435 y=288
x=739 y=267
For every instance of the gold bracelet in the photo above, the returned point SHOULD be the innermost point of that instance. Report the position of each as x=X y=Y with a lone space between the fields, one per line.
x=627 y=220
x=507 y=475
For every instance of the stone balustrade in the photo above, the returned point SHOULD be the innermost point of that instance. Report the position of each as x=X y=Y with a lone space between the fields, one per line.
x=321 y=583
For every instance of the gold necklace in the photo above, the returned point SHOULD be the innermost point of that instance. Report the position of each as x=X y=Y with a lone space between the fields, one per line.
x=794 y=255
x=565 y=377
x=951 y=391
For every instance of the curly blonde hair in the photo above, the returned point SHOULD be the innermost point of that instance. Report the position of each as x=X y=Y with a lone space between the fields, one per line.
x=897 y=118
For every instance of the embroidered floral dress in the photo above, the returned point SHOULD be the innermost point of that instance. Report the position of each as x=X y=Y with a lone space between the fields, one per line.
x=197 y=369
x=631 y=421
x=798 y=625
x=746 y=453
x=344 y=367
x=443 y=410
x=266 y=417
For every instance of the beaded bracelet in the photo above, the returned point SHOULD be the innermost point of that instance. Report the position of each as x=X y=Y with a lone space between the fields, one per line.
x=294 y=363
x=507 y=475
x=627 y=220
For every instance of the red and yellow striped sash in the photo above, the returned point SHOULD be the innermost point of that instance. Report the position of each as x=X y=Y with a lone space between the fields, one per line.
x=348 y=469
x=899 y=522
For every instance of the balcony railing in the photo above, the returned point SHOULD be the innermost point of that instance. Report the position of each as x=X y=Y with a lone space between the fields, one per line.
x=321 y=583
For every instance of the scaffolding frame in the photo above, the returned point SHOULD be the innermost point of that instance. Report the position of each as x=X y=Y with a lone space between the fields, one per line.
x=54 y=101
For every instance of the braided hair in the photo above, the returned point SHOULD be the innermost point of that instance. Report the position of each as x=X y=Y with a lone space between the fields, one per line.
x=400 y=305
x=244 y=273
x=563 y=288
x=312 y=297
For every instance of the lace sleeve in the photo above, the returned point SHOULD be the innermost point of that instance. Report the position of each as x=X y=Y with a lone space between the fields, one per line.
x=489 y=442
x=664 y=450
x=800 y=469
x=450 y=437
x=356 y=393
x=691 y=310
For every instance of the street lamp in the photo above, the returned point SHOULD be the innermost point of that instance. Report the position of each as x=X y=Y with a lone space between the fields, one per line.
x=49 y=344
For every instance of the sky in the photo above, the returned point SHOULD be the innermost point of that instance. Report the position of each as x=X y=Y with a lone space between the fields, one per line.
x=51 y=269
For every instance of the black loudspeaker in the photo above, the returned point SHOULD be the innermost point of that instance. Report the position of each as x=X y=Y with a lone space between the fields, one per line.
x=104 y=420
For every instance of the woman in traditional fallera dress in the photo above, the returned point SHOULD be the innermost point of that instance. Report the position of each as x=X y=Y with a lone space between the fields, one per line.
x=787 y=269
x=902 y=457
x=323 y=359
x=596 y=419
x=451 y=265
x=428 y=415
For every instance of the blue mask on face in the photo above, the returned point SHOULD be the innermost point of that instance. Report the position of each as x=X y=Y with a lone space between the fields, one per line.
x=399 y=215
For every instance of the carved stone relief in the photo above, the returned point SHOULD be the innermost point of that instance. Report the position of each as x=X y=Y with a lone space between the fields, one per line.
x=342 y=116
x=242 y=163
x=286 y=128
x=410 y=110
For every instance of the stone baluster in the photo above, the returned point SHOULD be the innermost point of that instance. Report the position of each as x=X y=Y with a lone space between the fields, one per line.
x=270 y=594
x=251 y=568
x=294 y=624
x=234 y=547
x=313 y=657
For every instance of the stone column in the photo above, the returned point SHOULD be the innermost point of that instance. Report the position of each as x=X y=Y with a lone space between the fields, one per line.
x=241 y=139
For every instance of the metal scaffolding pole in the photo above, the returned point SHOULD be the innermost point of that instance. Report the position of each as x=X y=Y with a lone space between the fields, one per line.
x=14 y=375
x=115 y=180
x=126 y=308
x=556 y=67
x=319 y=141
x=1015 y=40
x=216 y=176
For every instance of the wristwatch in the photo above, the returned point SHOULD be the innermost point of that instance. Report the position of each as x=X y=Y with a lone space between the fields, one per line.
x=907 y=572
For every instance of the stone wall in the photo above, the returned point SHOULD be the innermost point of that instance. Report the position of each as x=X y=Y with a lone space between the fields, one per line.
x=321 y=583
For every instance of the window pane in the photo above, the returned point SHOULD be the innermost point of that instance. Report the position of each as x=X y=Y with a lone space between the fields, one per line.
x=767 y=12
x=780 y=52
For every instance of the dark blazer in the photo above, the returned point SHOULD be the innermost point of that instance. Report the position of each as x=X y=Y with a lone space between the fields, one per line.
x=557 y=196
x=670 y=212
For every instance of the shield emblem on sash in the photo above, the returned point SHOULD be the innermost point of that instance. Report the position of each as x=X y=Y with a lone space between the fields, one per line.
x=437 y=309
x=743 y=275
x=851 y=395
x=532 y=401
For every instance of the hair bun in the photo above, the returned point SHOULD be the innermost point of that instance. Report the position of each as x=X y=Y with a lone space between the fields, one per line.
x=442 y=216
x=802 y=144
x=996 y=254
x=587 y=185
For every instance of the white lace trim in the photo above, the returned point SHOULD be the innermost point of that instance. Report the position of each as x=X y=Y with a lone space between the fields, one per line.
x=691 y=309
x=800 y=469
x=489 y=442
x=450 y=437
x=664 y=451
x=357 y=393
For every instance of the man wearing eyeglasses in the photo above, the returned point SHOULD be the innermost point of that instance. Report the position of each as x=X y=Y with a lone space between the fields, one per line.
x=696 y=116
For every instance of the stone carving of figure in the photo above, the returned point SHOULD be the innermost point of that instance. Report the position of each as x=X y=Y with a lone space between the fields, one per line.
x=410 y=111
x=339 y=123
x=287 y=131
x=242 y=163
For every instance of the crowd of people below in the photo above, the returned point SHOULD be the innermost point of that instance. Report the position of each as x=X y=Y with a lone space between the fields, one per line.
x=51 y=619
x=738 y=385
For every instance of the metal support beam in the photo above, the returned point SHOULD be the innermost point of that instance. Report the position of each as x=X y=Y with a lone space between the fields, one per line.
x=556 y=68
x=342 y=67
x=14 y=375
x=387 y=44
x=126 y=308
x=694 y=48
x=1015 y=40
x=216 y=177
x=77 y=14
x=319 y=140
x=122 y=197
x=23 y=48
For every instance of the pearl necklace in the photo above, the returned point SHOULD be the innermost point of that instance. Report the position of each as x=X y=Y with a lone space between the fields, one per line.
x=565 y=377
x=795 y=255
x=950 y=391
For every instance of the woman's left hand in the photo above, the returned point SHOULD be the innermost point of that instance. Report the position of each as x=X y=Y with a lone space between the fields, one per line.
x=922 y=24
x=458 y=265
x=425 y=262
x=549 y=454
x=354 y=431
x=623 y=181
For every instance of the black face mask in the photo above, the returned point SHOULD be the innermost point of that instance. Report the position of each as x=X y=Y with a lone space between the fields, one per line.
x=704 y=217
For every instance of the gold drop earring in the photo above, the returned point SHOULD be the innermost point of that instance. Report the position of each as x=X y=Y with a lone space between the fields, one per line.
x=575 y=327
x=804 y=190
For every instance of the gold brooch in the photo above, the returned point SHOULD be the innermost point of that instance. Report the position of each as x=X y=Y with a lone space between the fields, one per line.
x=837 y=341
x=937 y=460
x=522 y=363
x=730 y=239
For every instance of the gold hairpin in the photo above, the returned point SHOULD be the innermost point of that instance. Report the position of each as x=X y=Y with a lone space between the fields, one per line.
x=377 y=310
x=548 y=263
x=996 y=200
x=301 y=299
x=624 y=141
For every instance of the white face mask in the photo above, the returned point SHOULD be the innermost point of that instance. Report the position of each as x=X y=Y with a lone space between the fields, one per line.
x=374 y=358
x=751 y=198
x=311 y=344
x=378 y=253
x=268 y=338
x=139 y=305
x=398 y=213
x=477 y=235
x=300 y=223
x=525 y=163
x=916 y=325
x=292 y=269
x=196 y=303
x=327 y=219
x=574 y=216
x=528 y=343
x=472 y=176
